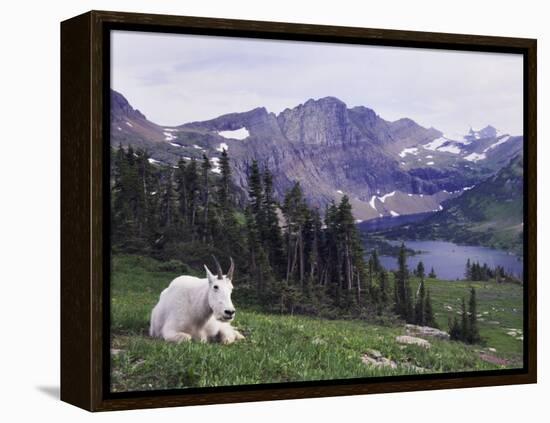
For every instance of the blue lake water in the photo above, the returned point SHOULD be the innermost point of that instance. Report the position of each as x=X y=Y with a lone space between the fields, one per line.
x=449 y=259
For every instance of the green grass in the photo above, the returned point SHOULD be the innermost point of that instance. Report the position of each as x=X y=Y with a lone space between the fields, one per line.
x=499 y=309
x=289 y=348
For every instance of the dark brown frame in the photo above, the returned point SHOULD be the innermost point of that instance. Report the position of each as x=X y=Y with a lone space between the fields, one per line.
x=84 y=227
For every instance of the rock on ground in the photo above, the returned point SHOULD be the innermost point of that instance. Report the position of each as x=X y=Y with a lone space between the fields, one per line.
x=489 y=358
x=378 y=361
x=426 y=331
x=412 y=340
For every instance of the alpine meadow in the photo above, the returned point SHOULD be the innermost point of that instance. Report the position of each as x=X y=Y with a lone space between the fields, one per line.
x=357 y=246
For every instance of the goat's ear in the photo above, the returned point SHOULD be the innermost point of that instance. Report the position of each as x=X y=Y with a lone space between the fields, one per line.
x=209 y=274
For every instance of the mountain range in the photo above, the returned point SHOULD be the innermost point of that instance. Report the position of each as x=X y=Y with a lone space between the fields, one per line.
x=491 y=214
x=386 y=168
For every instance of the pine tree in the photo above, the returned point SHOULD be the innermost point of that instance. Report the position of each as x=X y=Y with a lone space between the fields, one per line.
x=419 y=308
x=473 y=330
x=257 y=258
x=192 y=187
x=224 y=184
x=420 y=272
x=404 y=307
x=432 y=274
x=271 y=230
x=205 y=198
x=464 y=327
x=428 y=312
x=377 y=266
x=332 y=271
x=455 y=331
x=384 y=296
x=468 y=272
x=294 y=211
x=181 y=190
x=313 y=245
x=351 y=248
x=255 y=193
x=167 y=206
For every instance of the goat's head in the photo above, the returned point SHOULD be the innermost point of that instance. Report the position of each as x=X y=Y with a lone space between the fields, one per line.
x=219 y=292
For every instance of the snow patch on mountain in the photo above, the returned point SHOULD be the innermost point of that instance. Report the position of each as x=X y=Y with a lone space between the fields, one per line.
x=496 y=144
x=383 y=198
x=474 y=157
x=413 y=151
x=435 y=144
x=371 y=202
x=236 y=134
x=222 y=146
x=445 y=145
x=169 y=136
x=454 y=149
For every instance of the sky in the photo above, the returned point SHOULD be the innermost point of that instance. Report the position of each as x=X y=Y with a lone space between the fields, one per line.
x=175 y=79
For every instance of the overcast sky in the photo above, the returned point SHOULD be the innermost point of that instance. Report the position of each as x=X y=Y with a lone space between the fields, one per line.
x=174 y=79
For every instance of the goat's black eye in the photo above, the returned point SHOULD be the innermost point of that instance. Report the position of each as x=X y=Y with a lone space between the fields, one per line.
x=216 y=287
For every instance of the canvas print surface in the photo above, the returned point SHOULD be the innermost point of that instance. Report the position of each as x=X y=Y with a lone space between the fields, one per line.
x=287 y=211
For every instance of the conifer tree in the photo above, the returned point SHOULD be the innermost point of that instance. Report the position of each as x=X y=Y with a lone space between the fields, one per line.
x=167 y=205
x=404 y=306
x=384 y=296
x=192 y=187
x=420 y=270
x=294 y=211
x=271 y=230
x=468 y=272
x=377 y=266
x=455 y=331
x=351 y=248
x=313 y=245
x=205 y=197
x=432 y=274
x=255 y=193
x=258 y=262
x=419 y=308
x=428 y=312
x=224 y=184
x=473 y=330
x=464 y=327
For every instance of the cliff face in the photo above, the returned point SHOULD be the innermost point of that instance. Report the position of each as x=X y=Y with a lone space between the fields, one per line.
x=491 y=213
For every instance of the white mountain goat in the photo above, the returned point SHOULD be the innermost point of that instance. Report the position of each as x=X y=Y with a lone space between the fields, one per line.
x=198 y=309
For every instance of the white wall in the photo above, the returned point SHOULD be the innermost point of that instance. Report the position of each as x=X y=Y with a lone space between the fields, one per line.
x=30 y=208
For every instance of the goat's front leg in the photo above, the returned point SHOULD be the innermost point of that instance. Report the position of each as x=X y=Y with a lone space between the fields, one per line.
x=201 y=336
x=228 y=334
x=171 y=335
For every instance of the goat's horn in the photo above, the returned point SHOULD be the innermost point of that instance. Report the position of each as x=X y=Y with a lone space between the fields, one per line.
x=231 y=269
x=218 y=267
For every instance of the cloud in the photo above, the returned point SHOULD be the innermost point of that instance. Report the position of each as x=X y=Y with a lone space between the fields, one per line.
x=181 y=78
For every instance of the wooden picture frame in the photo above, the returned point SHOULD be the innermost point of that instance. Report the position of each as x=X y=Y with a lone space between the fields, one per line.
x=85 y=222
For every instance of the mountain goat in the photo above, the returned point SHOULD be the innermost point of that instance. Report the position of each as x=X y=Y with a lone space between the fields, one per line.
x=198 y=309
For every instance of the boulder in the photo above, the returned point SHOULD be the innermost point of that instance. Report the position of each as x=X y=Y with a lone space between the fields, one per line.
x=426 y=331
x=378 y=361
x=412 y=340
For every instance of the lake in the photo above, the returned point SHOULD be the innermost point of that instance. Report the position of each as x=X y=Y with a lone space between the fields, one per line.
x=449 y=259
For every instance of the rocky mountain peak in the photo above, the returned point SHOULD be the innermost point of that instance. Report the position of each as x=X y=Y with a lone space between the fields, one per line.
x=487 y=132
x=121 y=108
